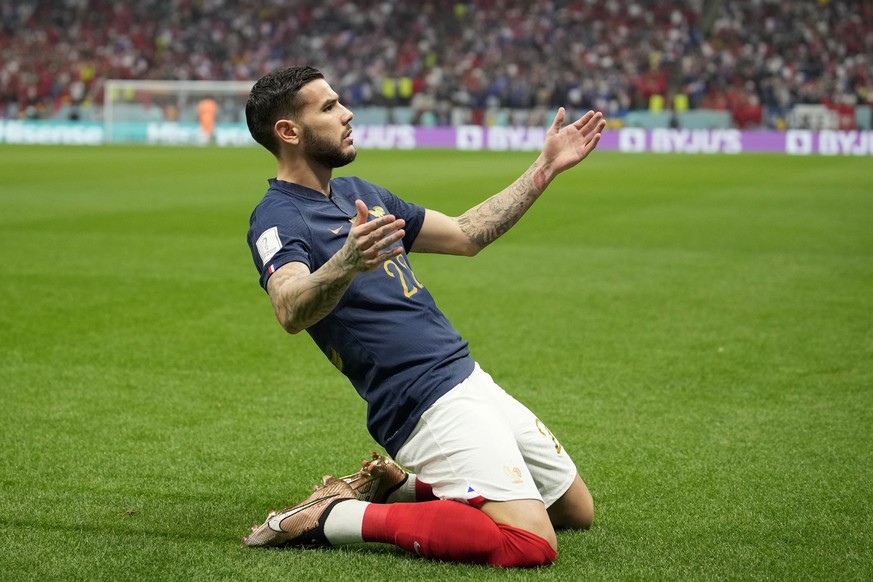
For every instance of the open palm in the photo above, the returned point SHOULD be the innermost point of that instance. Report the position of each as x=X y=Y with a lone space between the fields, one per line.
x=565 y=147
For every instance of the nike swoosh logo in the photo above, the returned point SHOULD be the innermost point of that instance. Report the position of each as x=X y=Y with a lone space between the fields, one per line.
x=275 y=522
x=335 y=230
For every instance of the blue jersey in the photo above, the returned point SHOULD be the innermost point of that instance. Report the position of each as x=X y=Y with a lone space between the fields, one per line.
x=386 y=334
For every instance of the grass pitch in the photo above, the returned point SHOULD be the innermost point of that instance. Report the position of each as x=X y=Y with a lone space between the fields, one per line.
x=697 y=330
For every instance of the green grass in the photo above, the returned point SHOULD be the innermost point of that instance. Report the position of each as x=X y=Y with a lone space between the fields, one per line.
x=698 y=331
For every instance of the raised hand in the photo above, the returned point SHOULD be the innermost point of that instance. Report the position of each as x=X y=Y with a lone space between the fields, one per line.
x=565 y=147
x=369 y=244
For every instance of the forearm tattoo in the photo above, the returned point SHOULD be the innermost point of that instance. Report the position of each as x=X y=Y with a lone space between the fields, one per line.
x=486 y=222
x=303 y=300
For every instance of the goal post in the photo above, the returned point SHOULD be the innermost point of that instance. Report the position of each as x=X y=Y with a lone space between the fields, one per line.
x=181 y=112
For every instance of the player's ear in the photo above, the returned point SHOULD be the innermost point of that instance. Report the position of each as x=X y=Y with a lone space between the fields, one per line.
x=287 y=131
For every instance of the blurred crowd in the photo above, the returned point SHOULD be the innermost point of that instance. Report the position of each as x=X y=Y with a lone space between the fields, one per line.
x=743 y=56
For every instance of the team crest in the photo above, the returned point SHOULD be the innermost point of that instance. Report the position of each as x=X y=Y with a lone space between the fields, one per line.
x=514 y=473
x=377 y=212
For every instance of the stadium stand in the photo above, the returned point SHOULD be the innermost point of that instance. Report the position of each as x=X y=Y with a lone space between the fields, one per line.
x=750 y=60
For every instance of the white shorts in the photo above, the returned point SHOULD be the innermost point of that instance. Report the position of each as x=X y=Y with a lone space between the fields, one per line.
x=477 y=443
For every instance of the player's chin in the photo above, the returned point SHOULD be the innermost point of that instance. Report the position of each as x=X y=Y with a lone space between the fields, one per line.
x=348 y=156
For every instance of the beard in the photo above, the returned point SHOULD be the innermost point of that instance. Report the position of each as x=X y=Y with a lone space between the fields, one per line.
x=325 y=153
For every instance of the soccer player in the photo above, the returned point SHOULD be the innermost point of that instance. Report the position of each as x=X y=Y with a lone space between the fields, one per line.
x=490 y=482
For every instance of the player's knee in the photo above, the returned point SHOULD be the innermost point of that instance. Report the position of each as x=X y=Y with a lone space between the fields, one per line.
x=585 y=518
x=584 y=515
x=522 y=549
x=575 y=510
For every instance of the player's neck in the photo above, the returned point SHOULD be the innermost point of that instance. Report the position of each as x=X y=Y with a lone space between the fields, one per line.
x=313 y=177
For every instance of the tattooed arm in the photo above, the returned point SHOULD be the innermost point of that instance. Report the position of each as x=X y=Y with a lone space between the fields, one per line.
x=486 y=222
x=302 y=298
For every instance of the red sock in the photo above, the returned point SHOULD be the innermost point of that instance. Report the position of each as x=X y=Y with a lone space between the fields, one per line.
x=452 y=531
x=520 y=548
x=423 y=491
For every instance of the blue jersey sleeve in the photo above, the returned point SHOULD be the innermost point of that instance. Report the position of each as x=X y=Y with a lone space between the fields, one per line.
x=278 y=234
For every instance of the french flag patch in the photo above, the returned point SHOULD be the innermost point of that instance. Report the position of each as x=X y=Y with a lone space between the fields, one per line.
x=271 y=269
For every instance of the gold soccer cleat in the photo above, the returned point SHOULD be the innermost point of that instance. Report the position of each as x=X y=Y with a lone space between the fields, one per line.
x=377 y=479
x=301 y=525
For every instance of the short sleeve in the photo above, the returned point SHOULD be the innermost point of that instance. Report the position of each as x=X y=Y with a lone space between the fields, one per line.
x=277 y=235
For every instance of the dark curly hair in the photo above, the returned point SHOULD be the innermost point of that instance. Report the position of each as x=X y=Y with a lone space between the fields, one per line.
x=274 y=97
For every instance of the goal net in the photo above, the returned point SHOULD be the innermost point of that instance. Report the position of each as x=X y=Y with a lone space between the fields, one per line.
x=176 y=112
